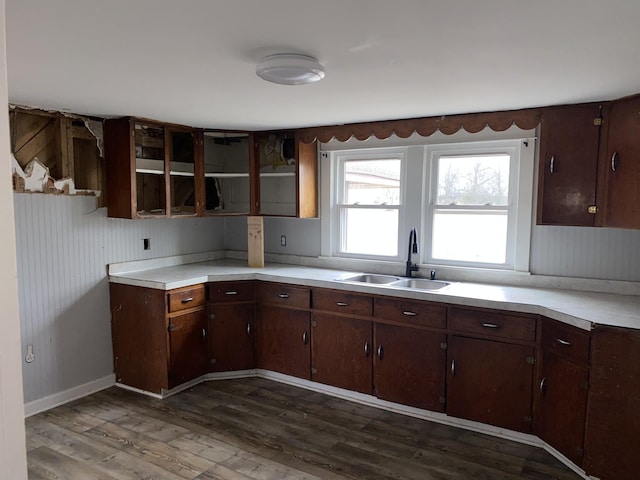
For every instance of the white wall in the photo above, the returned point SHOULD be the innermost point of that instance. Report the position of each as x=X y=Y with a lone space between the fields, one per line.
x=13 y=462
x=63 y=247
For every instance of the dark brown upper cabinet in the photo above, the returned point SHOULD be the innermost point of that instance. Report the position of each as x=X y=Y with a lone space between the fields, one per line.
x=287 y=176
x=569 y=139
x=151 y=169
x=620 y=166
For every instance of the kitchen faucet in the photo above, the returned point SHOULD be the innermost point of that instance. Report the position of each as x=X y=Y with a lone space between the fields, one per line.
x=413 y=248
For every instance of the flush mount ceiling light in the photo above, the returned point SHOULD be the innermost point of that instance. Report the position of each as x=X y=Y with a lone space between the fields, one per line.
x=290 y=69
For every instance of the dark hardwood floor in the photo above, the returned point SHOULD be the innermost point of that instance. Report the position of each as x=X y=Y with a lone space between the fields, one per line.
x=262 y=430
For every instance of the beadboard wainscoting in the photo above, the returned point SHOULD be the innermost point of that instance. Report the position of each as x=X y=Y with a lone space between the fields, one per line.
x=63 y=246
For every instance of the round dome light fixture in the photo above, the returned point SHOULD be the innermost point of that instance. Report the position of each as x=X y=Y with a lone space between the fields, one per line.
x=290 y=69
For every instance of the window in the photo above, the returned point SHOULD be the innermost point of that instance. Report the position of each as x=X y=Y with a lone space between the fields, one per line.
x=471 y=203
x=369 y=202
x=472 y=212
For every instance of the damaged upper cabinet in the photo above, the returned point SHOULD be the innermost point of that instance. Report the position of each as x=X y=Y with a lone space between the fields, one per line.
x=287 y=175
x=56 y=153
x=228 y=157
x=152 y=169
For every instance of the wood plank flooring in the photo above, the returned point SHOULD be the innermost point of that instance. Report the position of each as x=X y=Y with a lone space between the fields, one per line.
x=256 y=429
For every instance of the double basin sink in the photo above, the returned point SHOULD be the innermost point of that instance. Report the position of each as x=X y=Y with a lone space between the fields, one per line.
x=393 y=281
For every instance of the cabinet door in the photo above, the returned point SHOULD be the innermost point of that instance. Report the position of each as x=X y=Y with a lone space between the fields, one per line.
x=187 y=347
x=409 y=366
x=341 y=349
x=490 y=382
x=613 y=422
x=562 y=405
x=569 y=139
x=151 y=185
x=231 y=337
x=283 y=340
x=621 y=165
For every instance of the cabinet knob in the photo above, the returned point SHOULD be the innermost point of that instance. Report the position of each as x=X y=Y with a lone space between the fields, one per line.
x=283 y=295
x=453 y=368
x=204 y=334
x=562 y=342
x=543 y=384
x=249 y=328
x=551 y=163
x=305 y=338
x=380 y=352
x=490 y=325
x=614 y=161
x=342 y=304
x=366 y=349
x=409 y=313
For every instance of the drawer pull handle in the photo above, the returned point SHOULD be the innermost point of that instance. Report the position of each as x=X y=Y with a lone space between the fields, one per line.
x=543 y=384
x=231 y=292
x=249 y=328
x=305 y=338
x=204 y=334
x=490 y=325
x=614 y=157
x=366 y=349
x=563 y=342
x=283 y=295
x=380 y=352
x=409 y=313
x=453 y=368
x=342 y=304
x=551 y=163
x=187 y=300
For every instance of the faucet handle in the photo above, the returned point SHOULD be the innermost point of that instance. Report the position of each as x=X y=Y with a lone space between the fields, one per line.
x=433 y=274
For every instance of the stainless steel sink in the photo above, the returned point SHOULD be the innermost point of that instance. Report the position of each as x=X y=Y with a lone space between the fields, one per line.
x=371 y=278
x=420 y=284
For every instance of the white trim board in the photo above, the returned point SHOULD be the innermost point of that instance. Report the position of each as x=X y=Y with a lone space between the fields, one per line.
x=66 y=396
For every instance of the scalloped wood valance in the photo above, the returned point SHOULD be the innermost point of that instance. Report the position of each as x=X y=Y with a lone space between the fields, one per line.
x=449 y=124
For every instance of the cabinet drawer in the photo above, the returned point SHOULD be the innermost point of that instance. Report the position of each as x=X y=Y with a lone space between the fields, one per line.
x=184 y=298
x=492 y=324
x=342 y=302
x=566 y=340
x=278 y=293
x=225 y=292
x=408 y=311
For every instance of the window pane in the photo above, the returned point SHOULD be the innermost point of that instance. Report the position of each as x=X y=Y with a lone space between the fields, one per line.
x=478 y=236
x=370 y=231
x=372 y=182
x=473 y=180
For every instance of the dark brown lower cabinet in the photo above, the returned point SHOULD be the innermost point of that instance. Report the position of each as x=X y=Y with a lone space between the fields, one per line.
x=409 y=366
x=188 y=358
x=232 y=337
x=283 y=340
x=490 y=382
x=341 y=350
x=562 y=405
x=612 y=436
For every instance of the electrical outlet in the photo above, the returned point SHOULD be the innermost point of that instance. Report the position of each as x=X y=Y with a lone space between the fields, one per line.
x=147 y=243
x=283 y=240
x=30 y=356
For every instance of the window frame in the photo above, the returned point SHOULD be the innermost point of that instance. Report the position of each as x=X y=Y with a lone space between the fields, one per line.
x=339 y=160
x=433 y=154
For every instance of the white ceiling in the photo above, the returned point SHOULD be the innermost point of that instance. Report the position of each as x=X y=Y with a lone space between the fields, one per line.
x=193 y=61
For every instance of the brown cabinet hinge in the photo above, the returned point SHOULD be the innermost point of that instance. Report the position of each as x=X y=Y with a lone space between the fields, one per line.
x=314 y=371
x=314 y=323
x=592 y=209
x=442 y=400
x=171 y=327
x=531 y=360
x=444 y=345
x=528 y=419
x=598 y=121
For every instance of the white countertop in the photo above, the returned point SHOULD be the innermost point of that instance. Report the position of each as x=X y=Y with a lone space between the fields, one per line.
x=581 y=309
